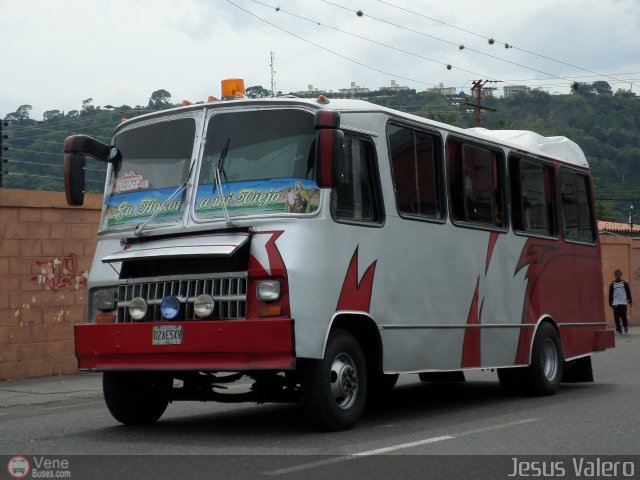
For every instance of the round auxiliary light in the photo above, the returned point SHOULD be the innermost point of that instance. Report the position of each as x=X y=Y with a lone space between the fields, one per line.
x=170 y=307
x=203 y=305
x=137 y=308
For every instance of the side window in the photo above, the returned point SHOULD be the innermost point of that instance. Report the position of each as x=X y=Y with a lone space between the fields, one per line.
x=576 y=207
x=532 y=196
x=476 y=184
x=356 y=196
x=415 y=167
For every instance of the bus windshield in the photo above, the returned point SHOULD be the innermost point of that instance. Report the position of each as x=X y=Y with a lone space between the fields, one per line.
x=154 y=163
x=265 y=161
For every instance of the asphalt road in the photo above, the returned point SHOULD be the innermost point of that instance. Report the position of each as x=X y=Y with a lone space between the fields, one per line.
x=66 y=417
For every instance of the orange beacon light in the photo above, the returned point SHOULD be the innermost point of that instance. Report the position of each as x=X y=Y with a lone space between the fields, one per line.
x=233 y=87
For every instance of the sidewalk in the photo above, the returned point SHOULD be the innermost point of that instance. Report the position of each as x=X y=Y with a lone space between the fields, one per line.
x=37 y=391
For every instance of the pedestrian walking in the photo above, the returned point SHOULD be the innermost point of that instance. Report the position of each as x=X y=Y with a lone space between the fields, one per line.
x=619 y=300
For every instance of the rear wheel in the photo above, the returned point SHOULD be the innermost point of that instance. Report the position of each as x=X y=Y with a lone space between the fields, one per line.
x=334 y=388
x=136 y=398
x=544 y=374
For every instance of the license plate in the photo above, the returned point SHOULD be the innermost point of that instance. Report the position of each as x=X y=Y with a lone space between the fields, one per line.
x=167 y=335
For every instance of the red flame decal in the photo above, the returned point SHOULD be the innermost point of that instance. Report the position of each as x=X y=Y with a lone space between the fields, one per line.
x=356 y=295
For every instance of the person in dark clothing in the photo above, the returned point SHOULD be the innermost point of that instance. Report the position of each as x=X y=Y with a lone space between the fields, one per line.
x=619 y=299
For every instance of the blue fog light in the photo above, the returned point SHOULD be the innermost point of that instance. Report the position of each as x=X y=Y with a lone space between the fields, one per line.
x=170 y=307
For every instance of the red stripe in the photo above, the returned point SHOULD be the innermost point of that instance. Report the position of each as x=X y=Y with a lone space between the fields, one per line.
x=471 y=346
x=493 y=238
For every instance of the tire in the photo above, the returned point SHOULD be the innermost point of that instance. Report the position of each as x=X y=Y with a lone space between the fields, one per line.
x=334 y=389
x=544 y=374
x=136 y=398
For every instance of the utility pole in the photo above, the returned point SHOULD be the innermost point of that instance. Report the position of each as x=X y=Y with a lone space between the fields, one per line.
x=478 y=88
x=273 y=74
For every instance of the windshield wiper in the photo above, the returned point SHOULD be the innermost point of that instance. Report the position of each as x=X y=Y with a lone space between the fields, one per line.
x=180 y=190
x=219 y=171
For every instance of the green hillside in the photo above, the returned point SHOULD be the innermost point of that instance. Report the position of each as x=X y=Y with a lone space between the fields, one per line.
x=604 y=124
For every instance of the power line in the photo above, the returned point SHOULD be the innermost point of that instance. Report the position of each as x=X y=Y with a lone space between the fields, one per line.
x=359 y=13
x=326 y=49
x=316 y=22
x=492 y=41
x=14 y=161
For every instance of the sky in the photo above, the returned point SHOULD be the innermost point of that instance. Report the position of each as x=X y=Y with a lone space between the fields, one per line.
x=57 y=53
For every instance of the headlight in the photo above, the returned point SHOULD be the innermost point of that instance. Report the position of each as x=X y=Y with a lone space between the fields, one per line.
x=203 y=305
x=137 y=308
x=170 y=307
x=268 y=290
x=104 y=300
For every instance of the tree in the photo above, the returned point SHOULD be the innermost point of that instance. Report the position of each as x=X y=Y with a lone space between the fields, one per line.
x=257 y=91
x=581 y=88
x=601 y=88
x=87 y=108
x=23 y=112
x=51 y=114
x=160 y=99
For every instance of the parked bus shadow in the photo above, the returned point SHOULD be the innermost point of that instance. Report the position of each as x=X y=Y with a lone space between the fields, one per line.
x=187 y=423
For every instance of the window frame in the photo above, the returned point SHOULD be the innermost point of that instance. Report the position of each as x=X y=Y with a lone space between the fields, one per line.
x=590 y=203
x=439 y=172
x=501 y=179
x=515 y=157
x=376 y=188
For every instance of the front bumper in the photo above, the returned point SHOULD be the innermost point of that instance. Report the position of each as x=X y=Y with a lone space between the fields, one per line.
x=233 y=345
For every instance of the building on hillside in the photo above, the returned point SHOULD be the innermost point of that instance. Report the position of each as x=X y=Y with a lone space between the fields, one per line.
x=311 y=90
x=353 y=89
x=395 y=87
x=512 y=89
x=442 y=90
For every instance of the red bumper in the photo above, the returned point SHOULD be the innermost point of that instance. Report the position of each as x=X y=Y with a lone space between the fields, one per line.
x=217 y=345
x=603 y=339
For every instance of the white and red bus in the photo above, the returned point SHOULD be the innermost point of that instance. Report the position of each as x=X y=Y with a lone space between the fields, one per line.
x=321 y=247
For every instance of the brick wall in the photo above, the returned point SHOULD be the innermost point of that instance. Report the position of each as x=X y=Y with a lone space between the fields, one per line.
x=46 y=248
x=623 y=253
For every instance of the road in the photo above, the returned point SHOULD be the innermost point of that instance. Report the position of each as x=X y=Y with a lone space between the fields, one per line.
x=66 y=417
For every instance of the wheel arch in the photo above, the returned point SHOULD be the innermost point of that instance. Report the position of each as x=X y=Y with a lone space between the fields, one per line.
x=546 y=318
x=362 y=326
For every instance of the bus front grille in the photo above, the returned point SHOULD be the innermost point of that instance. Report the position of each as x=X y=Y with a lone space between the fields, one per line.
x=229 y=293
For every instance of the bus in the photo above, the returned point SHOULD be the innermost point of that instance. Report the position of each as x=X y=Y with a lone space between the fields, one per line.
x=311 y=250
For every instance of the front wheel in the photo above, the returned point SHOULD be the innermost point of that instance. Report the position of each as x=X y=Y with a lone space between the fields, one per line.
x=136 y=398
x=334 y=388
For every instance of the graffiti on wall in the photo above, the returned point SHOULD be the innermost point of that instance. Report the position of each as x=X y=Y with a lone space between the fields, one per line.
x=61 y=274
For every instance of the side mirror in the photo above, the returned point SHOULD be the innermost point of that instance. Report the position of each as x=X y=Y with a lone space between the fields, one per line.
x=74 y=179
x=329 y=156
x=85 y=145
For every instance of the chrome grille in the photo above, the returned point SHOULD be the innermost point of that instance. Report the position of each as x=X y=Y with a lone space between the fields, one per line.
x=229 y=292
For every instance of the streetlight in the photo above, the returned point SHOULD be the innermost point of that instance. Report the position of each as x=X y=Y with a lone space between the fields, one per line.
x=631 y=219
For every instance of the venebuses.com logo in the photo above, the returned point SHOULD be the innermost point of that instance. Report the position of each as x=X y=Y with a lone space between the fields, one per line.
x=18 y=467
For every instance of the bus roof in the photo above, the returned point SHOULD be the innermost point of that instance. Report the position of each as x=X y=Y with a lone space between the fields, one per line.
x=557 y=148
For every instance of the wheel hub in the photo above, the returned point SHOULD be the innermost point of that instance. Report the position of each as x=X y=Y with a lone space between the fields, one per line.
x=344 y=381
